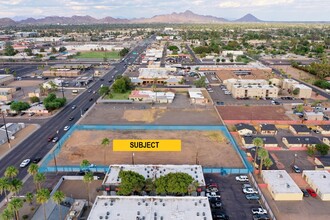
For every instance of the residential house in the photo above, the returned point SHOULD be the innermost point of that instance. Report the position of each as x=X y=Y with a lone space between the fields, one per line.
x=269 y=141
x=319 y=180
x=322 y=162
x=299 y=129
x=314 y=116
x=245 y=129
x=197 y=96
x=38 y=109
x=147 y=96
x=302 y=141
x=268 y=129
x=6 y=94
x=324 y=129
x=12 y=129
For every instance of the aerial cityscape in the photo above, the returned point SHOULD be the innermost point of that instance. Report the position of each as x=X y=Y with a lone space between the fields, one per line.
x=165 y=110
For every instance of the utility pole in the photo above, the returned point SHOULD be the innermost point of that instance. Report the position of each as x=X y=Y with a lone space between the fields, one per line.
x=4 y=121
x=55 y=162
x=133 y=158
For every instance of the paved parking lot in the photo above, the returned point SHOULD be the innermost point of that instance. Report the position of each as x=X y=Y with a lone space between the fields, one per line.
x=235 y=204
x=20 y=70
x=285 y=159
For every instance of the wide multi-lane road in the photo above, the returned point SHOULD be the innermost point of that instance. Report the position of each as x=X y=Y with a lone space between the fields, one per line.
x=36 y=145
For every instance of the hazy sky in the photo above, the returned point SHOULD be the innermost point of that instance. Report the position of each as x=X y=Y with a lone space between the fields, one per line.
x=275 y=10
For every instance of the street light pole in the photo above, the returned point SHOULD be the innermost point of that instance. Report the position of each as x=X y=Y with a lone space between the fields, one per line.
x=4 y=121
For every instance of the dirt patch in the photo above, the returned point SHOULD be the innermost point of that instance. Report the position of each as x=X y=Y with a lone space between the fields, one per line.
x=252 y=113
x=295 y=73
x=211 y=147
x=149 y=115
x=26 y=83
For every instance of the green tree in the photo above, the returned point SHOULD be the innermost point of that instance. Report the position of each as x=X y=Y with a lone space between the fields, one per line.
x=29 y=197
x=7 y=214
x=54 y=50
x=9 y=49
x=15 y=186
x=42 y=197
x=149 y=185
x=268 y=163
x=257 y=142
x=88 y=178
x=263 y=154
x=104 y=90
x=200 y=83
x=323 y=149
x=121 y=85
x=311 y=151
x=123 y=52
x=58 y=197
x=11 y=172
x=39 y=178
x=296 y=91
x=34 y=99
x=300 y=108
x=7 y=70
x=85 y=164
x=42 y=50
x=105 y=144
x=33 y=169
x=19 y=106
x=4 y=186
x=175 y=184
x=131 y=182
x=62 y=49
x=15 y=205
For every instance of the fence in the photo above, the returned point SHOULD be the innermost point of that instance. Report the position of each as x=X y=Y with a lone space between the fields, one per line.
x=262 y=198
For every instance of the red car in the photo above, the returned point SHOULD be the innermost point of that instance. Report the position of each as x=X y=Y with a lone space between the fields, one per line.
x=311 y=192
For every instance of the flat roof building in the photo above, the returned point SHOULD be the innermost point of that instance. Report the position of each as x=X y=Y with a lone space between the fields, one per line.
x=319 y=180
x=150 y=207
x=281 y=186
x=196 y=96
x=6 y=79
x=153 y=171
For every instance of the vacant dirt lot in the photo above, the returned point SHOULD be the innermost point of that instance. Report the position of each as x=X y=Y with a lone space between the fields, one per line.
x=211 y=147
x=252 y=113
x=295 y=73
x=144 y=114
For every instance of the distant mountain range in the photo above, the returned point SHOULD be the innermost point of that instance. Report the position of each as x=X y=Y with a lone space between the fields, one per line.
x=183 y=17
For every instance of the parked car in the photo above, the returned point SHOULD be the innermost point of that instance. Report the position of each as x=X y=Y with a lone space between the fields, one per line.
x=227 y=93
x=252 y=196
x=249 y=191
x=216 y=205
x=220 y=215
x=305 y=193
x=311 y=192
x=242 y=178
x=55 y=139
x=296 y=169
x=66 y=128
x=259 y=211
x=246 y=185
x=316 y=131
x=261 y=217
x=214 y=199
x=25 y=163
x=212 y=194
x=212 y=189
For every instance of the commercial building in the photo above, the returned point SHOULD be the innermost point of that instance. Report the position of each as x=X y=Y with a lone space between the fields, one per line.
x=6 y=79
x=245 y=129
x=153 y=171
x=150 y=207
x=319 y=181
x=6 y=94
x=147 y=96
x=314 y=116
x=269 y=141
x=258 y=88
x=161 y=76
x=12 y=129
x=281 y=186
x=299 y=129
x=61 y=73
x=197 y=96
x=301 y=141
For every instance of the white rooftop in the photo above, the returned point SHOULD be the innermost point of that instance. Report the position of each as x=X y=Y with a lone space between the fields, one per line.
x=195 y=93
x=146 y=207
x=280 y=181
x=320 y=179
x=159 y=73
x=291 y=81
x=154 y=171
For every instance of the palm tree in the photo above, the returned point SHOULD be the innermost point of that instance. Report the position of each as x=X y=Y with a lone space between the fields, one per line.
x=15 y=186
x=4 y=186
x=38 y=179
x=42 y=197
x=29 y=197
x=7 y=214
x=11 y=172
x=33 y=169
x=15 y=205
x=263 y=154
x=257 y=142
x=105 y=143
x=85 y=164
x=59 y=197
x=88 y=178
x=268 y=163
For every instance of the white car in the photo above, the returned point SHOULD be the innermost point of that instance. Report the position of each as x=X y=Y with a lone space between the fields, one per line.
x=25 y=163
x=242 y=178
x=246 y=185
x=258 y=211
x=66 y=128
x=227 y=93
x=249 y=191
x=212 y=194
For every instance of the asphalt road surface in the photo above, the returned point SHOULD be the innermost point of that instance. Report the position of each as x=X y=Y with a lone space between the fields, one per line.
x=37 y=145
